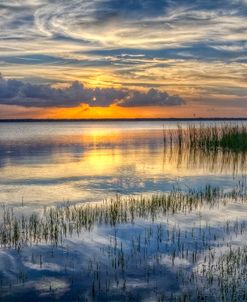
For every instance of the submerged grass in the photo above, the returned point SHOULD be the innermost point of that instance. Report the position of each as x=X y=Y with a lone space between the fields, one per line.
x=56 y=223
x=157 y=251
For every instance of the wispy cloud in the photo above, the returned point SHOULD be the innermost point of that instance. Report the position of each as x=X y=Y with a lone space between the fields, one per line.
x=186 y=48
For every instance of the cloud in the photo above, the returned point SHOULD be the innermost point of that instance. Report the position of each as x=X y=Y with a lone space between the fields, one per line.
x=144 y=24
x=15 y=92
x=153 y=97
x=193 y=47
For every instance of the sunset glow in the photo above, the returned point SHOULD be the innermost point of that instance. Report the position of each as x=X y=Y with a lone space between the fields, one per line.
x=105 y=57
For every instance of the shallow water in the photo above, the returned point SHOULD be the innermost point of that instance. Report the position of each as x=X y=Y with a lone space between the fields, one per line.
x=48 y=163
x=147 y=259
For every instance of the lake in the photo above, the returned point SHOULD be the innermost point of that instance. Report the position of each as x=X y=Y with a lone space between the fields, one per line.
x=158 y=253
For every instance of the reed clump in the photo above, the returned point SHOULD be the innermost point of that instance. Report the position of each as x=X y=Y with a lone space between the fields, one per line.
x=208 y=138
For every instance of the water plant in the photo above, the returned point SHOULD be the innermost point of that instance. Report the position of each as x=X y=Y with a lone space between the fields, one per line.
x=158 y=248
x=55 y=223
x=225 y=137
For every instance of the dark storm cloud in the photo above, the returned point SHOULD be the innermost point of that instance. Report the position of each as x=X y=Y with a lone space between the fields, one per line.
x=153 y=97
x=15 y=92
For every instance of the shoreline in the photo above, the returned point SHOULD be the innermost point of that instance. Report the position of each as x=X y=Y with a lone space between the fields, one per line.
x=124 y=120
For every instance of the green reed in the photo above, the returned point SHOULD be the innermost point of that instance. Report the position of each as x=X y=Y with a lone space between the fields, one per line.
x=55 y=223
x=208 y=138
x=206 y=277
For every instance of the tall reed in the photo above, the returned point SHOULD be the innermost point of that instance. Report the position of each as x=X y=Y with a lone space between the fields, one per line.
x=208 y=138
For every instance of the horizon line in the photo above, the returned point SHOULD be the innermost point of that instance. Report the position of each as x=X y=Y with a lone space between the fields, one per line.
x=125 y=119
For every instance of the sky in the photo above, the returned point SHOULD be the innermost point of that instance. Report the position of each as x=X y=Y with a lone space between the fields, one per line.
x=123 y=59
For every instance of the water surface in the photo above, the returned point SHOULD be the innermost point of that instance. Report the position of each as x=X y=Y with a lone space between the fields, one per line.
x=156 y=256
x=48 y=163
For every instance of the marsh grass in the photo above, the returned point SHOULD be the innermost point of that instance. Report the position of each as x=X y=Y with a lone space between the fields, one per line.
x=208 y=138
x=56 y=223
x=205 y=276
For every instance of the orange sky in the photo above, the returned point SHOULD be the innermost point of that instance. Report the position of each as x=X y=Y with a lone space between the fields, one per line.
x=194 y=51
x=86 y=112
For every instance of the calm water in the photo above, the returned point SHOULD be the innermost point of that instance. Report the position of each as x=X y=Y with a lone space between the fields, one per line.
x=47 y=164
